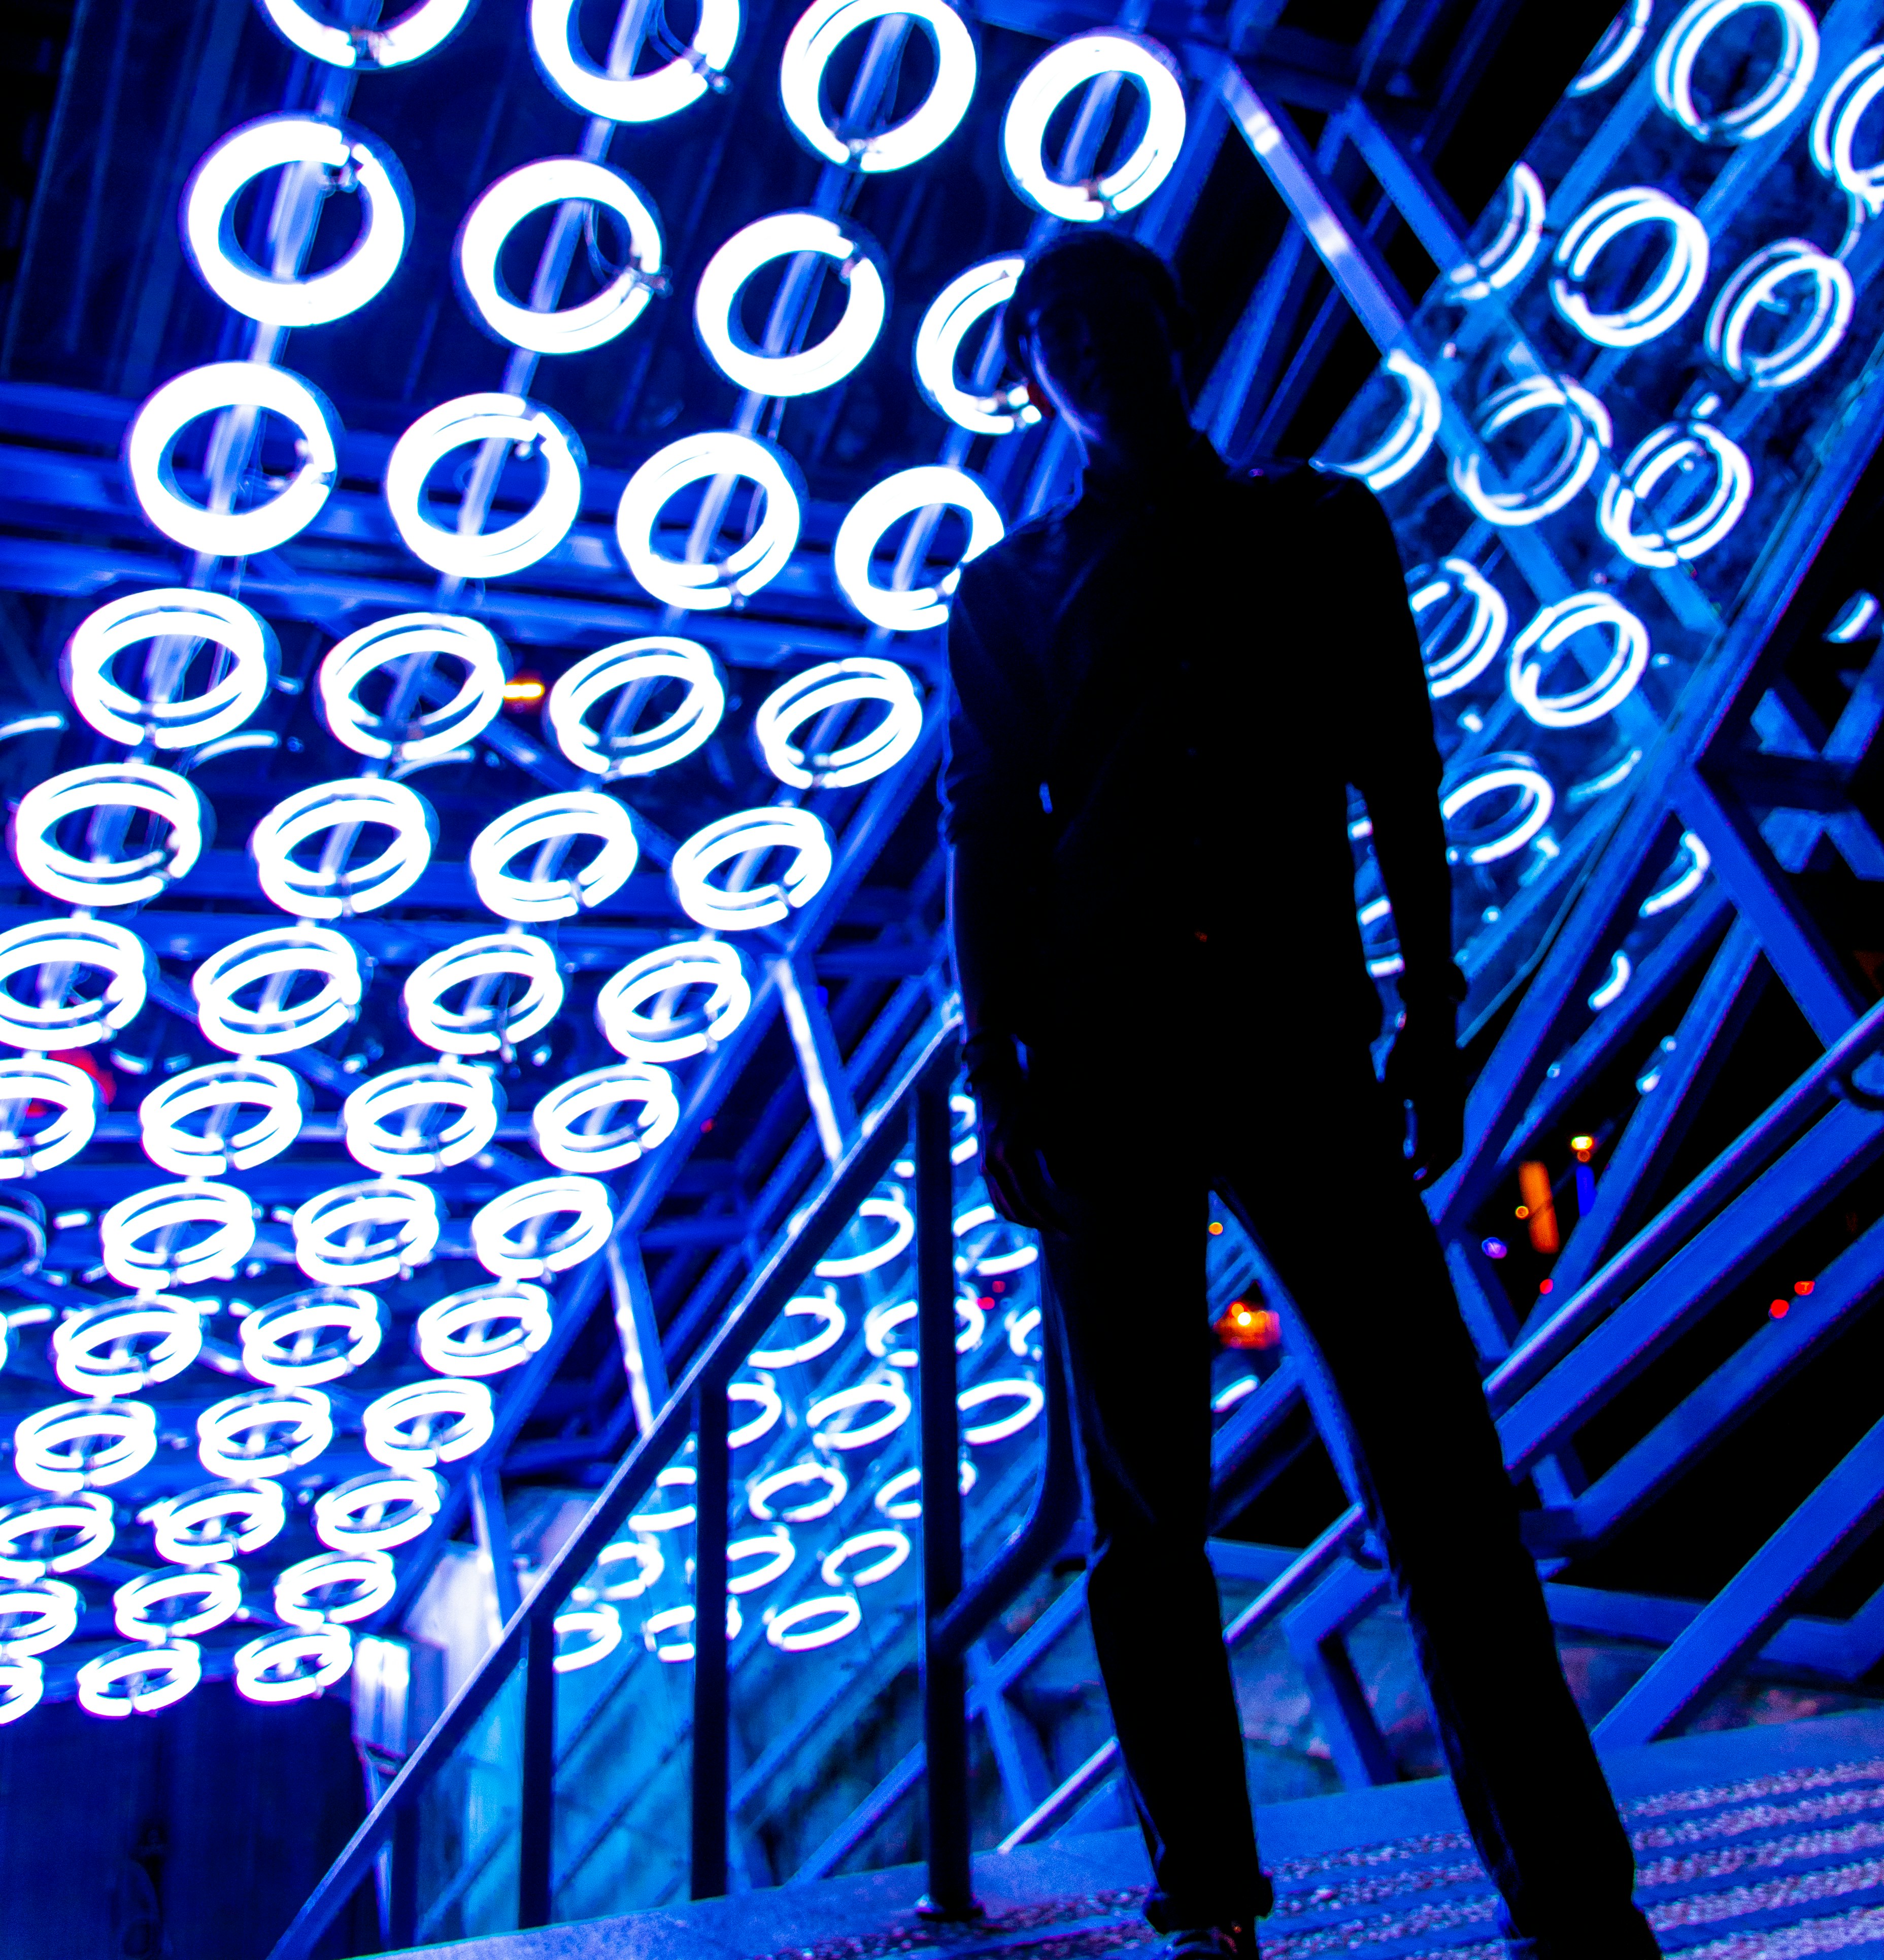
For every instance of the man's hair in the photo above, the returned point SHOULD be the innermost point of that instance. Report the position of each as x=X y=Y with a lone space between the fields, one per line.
x=1090 y=264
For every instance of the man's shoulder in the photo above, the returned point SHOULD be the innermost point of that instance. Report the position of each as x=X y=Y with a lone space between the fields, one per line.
x=1018 y=550
x=1297 y=484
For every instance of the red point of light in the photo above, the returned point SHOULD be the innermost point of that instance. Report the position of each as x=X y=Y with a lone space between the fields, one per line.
x=1778 y=1309
x=1544 y=1285
x=1802 y=1287
x=706 y=1126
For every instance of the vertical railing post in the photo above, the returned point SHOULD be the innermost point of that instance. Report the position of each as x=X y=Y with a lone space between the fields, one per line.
x=537 y=1824
x=711 y=1766
x=402 y=1914
x=944 y=1676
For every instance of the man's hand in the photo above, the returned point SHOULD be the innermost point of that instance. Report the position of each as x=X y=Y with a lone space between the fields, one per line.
x=1012 y=1166
x=1425 y=1069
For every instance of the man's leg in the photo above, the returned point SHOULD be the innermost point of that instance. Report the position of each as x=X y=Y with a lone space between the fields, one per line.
x=1326 y=1193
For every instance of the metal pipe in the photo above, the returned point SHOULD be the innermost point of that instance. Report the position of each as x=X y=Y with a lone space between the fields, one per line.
x=535 y=1827
x=711 y=1684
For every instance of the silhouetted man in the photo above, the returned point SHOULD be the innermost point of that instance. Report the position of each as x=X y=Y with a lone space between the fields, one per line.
x=1163 y=693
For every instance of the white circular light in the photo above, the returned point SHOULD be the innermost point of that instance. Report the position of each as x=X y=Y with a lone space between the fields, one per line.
x=292 y=1664
x=307 y=1339
x=409 y=38
x=278 y=1027
x=1082 y=59
x=1555 y=625
x=1027 y=1398
x=484 y=1330
x=929 y=486
x=1834 y=130
x=822 y=28
x=834 y=1488
x=36 y=1617
x=528 y=427
x=75 y=1446
x=888 y=1205
x=58 y=951
x=503 y=205
x=809 y=1307
x=196 y=1602
x=1584 y=434
x=507 y=1233
x=242 y=386
x=56 y=1534
x=1753 y=297
x=246 y=665
x=570 y=1126
x=752 y=832
x=635 y=670
x=116 y=1351
x=711 y=584
x=263 y=1432
x=22 y=1683
x=422 y=733
x=426 y=1422
x=1501 y=776
x=210 y=1525
x=335 y=1588
x=641 y=1012
x=814 y=1623
x=1508 y=257
x=1449 y=668
x=1667 y=297
x=31 y=1139
x=770 y=1405
x=1676 y=450
x=139 y=1680
x=898 y=1497
x=377 y=1512
x=339 y=890
x=357 y=1234
x=774 y=1548
x=493 y=1017
x=176 y=1235
x=784 y=234
x=702 y=64
x=812 y=695
x=1692 y=862
x=411 y=1122
x=348 y=159
x=1770 y=105
x=964 y=301
x=645 y=1554
x=172 y=800
x=1403 y=448
x=214 y=1092
x=676 y=1517
x=1614 y=53
x=892 y=1548
x=597 y=1630
x=545 y=827
x=889 y=1395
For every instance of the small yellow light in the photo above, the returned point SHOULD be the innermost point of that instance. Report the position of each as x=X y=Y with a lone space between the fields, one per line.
x=522 y=690
x=1216 y=1227
x=1523 y=1211
x=1583 y=1146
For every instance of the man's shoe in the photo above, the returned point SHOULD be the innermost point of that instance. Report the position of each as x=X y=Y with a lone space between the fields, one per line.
x=1212 y=1943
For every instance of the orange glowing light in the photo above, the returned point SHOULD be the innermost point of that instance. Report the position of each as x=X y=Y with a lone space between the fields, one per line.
x=1216 y=1227
x=526 y=687
x=1246 y=1324
x=1540 y=1207
x=1802 y=1287
x=1583 y=1148
x=1522 y=1211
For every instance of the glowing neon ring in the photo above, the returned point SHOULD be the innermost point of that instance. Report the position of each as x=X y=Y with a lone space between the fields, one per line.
x=621 y=1007
x=263 y=1432
x=892 y=1547
x=1081 y=58
x=484 y=1026
x=386 y=1132
x=1834 y=131
x=1754 y=291
x=78 y=1521
x=484 y=1330
x=357 y=1234
x=280 y=1027
x=527 y=426
x=194 y=1530
x=812 y=695
x=1614 y=53
x=508 y=1247
x=1666 y=298
x=216 y=1589
x=148 y=1341
x=277 y=1092
x=955 y=311
x=307 y=1339
x=634 y=668
x=1586 y=433
x=1403 y=448
x=879 y=1328
x=568 y=1135
x=363 y=1580
x=1509 y=256
x=730 y=839
x=676 y=1517
x=1029 y=1397
x=118 y=1684
x=23 y=1225
x=70 y=945
x=1676 y=447
x=240 y=385
x=1536 y=799
x=535 y=826
x=1450 y=668
x=1685 y=882
x=138 y=1237
x=710 y=585
x=72 y=1445
x=633 y=98
x=930 y=486
x=354 y=802
x=375 y=1513
x=830 y=1317
x=649 y=1565
x=814 y=1623
x=670 y=1621
x=895 y=1498
x=503 y=205
x=426 y=1422
x=822 y=27
x=1553 y=625
x=772 y=1406
x=890 y=1395
x=415 y=34
x=173 y=798
x=774 y=1547
x=761 y=1492
x=35 y=1618
x=28 y=1086
x=347 y=159
x=599 y=1627
x=178 y=612
x=292 y=1664
x=887 y=1204
x=857 y=260
x=22 y=1683
x=427 y=734
x=1783 y=91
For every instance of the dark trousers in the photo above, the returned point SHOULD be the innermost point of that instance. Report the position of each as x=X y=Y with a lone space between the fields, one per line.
x=1304 y=1148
